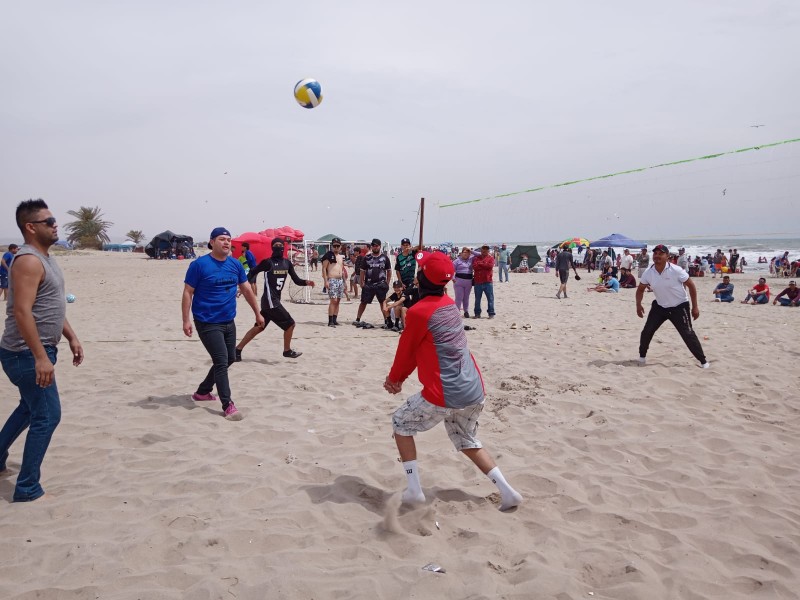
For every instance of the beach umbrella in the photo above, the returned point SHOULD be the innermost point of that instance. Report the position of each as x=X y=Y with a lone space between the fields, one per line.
x=617 y=240
x=574 y=242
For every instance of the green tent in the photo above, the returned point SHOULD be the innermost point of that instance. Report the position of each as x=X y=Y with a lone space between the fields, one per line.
x=323 y=248
x=531 y=251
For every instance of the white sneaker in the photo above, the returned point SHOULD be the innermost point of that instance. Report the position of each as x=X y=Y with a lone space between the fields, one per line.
x=705 y=365
x=642 y=361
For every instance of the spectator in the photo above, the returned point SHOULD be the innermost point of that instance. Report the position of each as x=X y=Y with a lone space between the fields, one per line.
x=759 y=294
x=724 y=291
x=792 y=294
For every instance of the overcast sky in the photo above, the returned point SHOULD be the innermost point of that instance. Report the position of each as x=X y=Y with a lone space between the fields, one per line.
x=180 y=115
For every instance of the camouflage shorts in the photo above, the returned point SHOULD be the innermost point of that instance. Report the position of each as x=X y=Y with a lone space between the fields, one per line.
x=417 y=414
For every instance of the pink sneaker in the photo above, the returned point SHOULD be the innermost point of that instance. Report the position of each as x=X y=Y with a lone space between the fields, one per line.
x=203 y=397
x=232 y=413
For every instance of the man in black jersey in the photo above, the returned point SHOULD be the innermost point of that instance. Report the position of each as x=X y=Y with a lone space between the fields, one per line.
x=276 y=269
x=376 y=272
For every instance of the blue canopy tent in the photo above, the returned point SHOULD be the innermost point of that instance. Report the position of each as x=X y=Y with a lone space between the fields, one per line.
x=617 y=240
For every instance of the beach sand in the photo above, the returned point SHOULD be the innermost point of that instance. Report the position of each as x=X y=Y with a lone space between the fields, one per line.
x=666 y=481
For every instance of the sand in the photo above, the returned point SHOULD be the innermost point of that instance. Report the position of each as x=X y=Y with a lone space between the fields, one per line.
x=666 y=481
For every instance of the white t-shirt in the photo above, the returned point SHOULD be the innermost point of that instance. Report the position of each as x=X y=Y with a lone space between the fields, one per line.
x=667 y=286
x=626 y=262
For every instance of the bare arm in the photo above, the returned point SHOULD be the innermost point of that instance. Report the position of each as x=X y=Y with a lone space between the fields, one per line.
x=186 y=305
x=28 y=275
x=74 y=343
x=639 y=297
x=689 y=285
x=248 y=294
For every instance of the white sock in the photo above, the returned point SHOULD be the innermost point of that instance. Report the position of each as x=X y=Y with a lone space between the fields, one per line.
x=413 y=493
x=509 y=497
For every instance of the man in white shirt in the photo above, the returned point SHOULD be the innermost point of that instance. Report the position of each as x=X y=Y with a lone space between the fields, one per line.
x=669 y=284
x=626 y=262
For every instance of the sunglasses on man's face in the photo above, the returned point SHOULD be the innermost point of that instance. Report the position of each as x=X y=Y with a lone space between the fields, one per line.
x=49 y=221
x=337 y=245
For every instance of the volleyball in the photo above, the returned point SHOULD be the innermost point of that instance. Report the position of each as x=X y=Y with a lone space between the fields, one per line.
x=308 y=93
x=70 y=298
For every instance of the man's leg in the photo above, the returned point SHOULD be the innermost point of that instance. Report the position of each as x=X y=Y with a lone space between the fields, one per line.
x=361 y=308
x=213 y=336
x=478 y=295
x=248 y=337
x=40 y=410
x=490 y=298
x=509 y=497
x=655 y=318
x=681 y=318
x=287 y=338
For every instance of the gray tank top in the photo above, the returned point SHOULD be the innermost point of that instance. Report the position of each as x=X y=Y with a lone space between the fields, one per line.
x=49 y=307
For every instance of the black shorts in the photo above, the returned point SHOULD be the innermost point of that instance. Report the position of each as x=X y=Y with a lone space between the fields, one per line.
x=278 y=315
x=369 y=292
x=563 y=276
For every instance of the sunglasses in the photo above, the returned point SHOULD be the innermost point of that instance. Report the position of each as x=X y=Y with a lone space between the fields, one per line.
x=49 y=221
x=336 y=245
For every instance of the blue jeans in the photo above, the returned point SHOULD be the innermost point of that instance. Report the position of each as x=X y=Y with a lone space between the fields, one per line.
x=502 y=268
x=480 y=290
x=219 y=340
x=786 y=302
x=39 y=411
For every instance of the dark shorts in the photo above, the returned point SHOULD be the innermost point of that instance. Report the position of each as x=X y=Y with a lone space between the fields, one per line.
x=278 y=315
x=369 y=292
x=3 y=281
x=563 y=276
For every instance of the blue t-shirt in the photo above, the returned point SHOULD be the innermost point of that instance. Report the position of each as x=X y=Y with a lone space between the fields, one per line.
x=8 y=257
x=613 y=284
x=214 y=282
x=251 y=259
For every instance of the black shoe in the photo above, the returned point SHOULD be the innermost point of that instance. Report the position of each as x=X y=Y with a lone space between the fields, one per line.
x=238 y=355
x=466 y=315
x=331 y=324
x=291 y=354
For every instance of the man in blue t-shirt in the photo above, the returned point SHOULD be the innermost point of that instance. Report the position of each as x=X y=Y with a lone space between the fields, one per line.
x=210 y=292
x=5 y=267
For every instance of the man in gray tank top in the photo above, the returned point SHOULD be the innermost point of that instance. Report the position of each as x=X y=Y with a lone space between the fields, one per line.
x=35 y=321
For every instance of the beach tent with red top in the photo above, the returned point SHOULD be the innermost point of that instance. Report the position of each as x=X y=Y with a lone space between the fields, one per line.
x=294 y=235
x=260 y=245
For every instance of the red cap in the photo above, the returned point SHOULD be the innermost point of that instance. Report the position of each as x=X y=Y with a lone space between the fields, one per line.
x=438 y=268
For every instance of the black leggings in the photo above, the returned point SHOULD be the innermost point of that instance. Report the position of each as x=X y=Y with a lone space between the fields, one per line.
x=681 y=318
x=219 y=340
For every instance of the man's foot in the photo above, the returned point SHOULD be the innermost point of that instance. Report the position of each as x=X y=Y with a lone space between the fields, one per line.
x=705 y=365
x=558 y=295
x=491 y=316
x=203 y=397
x=291 y=353
x=565 y=295
x=510 y=500
x=238 y=355
x=410 y=497
x=476 y=316
x=232 y=413
x=642 y=361
x=466 y=314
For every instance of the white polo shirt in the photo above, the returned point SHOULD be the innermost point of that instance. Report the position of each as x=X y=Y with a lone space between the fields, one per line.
x=667 y=286
x=626 y=262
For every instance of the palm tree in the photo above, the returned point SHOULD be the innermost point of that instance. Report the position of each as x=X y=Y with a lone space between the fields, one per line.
x=136 y=236
x=89 y=231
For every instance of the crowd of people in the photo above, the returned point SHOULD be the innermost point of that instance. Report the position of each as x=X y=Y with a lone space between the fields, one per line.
x=433 y=340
